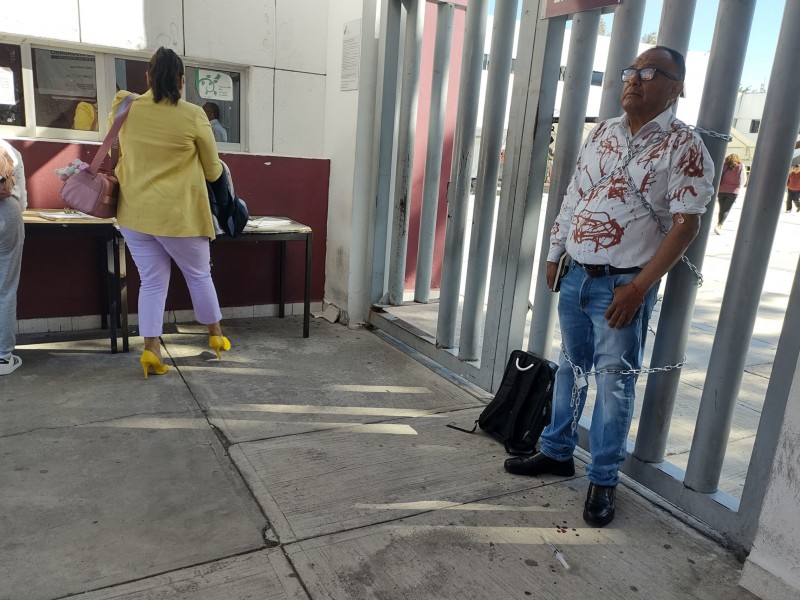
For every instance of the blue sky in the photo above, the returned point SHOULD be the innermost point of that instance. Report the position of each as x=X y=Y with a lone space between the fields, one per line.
x=763 y=33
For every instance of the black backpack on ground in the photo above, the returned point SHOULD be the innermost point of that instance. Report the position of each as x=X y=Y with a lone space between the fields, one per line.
x=523 y=404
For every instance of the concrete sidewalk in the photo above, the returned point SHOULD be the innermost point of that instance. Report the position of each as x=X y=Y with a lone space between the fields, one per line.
x=298 y=468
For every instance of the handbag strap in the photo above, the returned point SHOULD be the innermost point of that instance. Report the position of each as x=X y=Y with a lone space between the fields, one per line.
x=113 y=133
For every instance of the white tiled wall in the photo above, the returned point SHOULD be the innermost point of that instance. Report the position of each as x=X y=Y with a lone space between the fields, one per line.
x=133 y=25
x=299 y=114
x=53 y=19
x=281 y=44
x=301 y=32
x=239 y=32
x=261 y=102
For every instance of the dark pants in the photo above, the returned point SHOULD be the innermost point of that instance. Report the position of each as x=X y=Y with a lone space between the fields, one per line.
x=726 y=201
x=792 y=196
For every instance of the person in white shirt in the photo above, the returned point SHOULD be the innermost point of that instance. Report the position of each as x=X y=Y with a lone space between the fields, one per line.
x=212 y=112
x=13 y=200
x=631 y=210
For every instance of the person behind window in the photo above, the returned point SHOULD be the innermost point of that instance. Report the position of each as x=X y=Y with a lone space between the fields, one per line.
x=85 y=117
x=166 y=154
x=13 y=200
x=212 y=112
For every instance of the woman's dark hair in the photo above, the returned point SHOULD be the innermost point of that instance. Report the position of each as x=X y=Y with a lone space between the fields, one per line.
x=677 y=58
x=165 y=71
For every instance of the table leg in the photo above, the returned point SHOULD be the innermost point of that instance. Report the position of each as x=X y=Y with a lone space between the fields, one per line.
x=282 y=285
x=122 y=291
x=102 y=263
x=111 y=278
x=307 y=291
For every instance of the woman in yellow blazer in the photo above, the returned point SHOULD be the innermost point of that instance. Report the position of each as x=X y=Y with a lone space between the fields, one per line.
x=166 y=153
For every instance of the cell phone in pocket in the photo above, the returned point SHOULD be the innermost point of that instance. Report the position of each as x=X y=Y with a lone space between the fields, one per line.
x=563 y=267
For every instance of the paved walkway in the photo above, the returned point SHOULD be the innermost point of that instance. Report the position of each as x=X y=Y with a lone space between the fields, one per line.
x=296 y=468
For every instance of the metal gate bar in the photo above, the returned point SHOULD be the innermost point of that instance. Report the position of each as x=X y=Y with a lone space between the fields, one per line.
x=433 y=156
x=458 y=191
x=486 y=186
x=575 y=98
x=749 y=262
x=406 y=136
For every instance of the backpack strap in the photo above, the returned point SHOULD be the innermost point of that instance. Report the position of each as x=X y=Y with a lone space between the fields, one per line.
x=474 y=427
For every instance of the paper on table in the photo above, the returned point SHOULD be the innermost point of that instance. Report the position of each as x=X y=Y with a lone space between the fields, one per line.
x=58 y=216
x=268 y=221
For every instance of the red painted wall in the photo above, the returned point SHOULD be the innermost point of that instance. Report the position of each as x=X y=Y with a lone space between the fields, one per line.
x=60 y=275
x=421 y=142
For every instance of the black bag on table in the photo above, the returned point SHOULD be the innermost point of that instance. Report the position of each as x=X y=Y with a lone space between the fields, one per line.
x=228 y=210
x=523 y=404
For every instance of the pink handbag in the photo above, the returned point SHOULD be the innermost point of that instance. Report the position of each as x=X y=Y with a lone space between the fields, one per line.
x=91 y=191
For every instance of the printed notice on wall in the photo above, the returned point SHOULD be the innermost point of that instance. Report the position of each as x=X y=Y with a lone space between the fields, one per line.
x=351 y=55
x=7 y=95
x=213 y=85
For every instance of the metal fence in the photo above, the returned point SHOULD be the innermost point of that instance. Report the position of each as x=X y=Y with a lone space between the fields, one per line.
x=496 y=296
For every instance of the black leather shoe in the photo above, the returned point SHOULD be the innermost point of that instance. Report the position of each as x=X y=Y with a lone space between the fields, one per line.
x=539 y=464
x=599 y=508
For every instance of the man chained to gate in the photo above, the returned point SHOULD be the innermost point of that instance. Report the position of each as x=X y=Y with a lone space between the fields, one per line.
x=631 y=210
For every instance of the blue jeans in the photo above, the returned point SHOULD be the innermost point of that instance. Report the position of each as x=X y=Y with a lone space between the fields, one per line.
x=593 y=345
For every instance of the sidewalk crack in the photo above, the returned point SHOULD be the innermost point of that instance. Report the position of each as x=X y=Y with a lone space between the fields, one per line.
x=99 y=421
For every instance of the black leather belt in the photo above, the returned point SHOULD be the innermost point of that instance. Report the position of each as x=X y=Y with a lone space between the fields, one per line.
x=603 y=270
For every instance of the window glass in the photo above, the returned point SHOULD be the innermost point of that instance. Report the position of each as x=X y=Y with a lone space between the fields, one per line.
x=65 y=89
x=12 y=98
x=131 y=75
x=218 y=92
x=755 y=124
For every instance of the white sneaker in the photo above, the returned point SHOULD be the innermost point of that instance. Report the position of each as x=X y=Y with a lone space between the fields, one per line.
x=717 y=230
x=9 y=364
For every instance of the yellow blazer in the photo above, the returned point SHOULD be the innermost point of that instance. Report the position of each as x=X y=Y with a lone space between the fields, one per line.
x=167 y=152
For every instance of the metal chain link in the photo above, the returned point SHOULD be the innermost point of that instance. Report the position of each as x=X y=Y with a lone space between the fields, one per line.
x=581 y=379
x=629 y=178
x=695 y=271
x=713 y=134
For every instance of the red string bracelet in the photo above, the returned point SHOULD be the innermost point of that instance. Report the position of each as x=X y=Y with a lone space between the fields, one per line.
x=637 y=292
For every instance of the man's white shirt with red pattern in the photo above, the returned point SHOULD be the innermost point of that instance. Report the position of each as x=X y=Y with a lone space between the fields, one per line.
x=603 y=221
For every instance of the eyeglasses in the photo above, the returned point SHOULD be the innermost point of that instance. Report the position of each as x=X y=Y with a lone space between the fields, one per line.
x=645 y=74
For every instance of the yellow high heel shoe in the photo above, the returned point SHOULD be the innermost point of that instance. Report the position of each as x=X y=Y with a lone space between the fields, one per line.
x=149 y=360
x=219 y=342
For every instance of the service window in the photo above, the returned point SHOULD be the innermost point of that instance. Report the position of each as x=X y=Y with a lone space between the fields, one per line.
x=12 y=94
x=65 y=89
x=219 y=93
x=131 y=74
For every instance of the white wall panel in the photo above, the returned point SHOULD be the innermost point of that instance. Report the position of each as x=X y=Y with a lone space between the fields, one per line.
x=56 y=19
x=299 y=114
x=261 y=104
x=349 y=227
x=239 y=32
x=301 y=31
x=132 y=25
x=772 y=570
